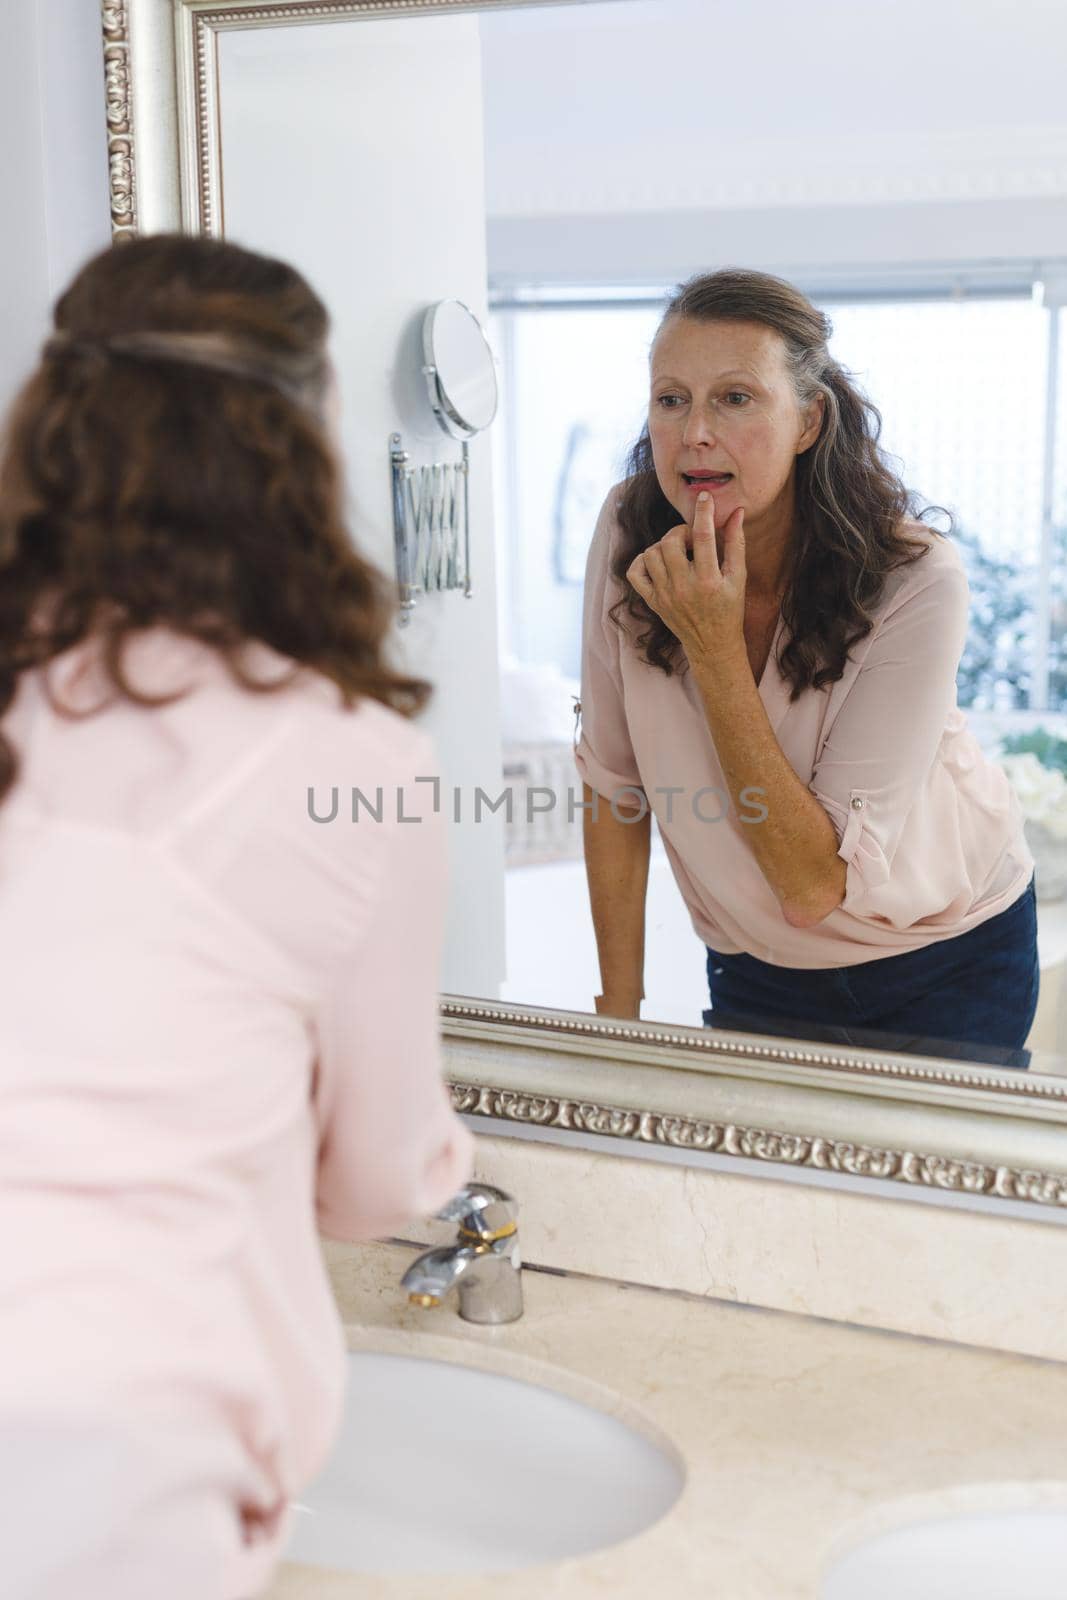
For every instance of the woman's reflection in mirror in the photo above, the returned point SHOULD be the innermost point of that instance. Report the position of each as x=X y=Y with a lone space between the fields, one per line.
x=769 y=608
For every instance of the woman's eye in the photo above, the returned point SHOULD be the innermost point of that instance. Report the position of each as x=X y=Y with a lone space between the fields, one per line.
x=667 y=401
x=737 y=398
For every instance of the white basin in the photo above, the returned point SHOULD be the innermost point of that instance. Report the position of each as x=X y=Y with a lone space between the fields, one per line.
x=442 y=1468
x=994 y=1555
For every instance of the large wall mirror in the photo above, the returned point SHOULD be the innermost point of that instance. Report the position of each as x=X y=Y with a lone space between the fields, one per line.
x=558 y=169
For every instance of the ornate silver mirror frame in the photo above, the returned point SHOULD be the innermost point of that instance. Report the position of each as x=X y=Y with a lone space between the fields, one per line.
x=917 y=1121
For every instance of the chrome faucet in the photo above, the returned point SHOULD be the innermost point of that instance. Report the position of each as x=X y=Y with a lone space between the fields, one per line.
x=484 y=1264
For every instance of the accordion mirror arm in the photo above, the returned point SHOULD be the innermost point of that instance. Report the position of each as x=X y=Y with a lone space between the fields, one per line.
x=431 y=526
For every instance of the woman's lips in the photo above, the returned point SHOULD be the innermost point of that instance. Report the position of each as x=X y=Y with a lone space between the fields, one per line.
x=718 y=482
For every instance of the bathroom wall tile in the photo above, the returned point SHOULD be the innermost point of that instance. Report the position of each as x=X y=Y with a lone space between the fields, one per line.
x=944 y=1274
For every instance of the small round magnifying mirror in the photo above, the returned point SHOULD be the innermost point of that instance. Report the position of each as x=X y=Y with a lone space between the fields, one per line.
x=460 y=373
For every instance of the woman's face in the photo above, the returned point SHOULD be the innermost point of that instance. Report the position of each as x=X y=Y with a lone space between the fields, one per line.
x=722 y=402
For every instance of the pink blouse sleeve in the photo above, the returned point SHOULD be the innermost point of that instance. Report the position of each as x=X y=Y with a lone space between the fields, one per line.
x=391 y=1147
x=872 y=770
x=604 y=755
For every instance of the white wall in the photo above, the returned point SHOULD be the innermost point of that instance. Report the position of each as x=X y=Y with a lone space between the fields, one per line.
x=643 y=139
x=814 y=246
x=23 y=260
x=414 y=165
x=375 y=190
x=53 y=176
x=77 y=217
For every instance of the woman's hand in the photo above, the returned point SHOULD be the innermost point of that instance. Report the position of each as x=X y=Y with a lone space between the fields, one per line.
x=702 y=603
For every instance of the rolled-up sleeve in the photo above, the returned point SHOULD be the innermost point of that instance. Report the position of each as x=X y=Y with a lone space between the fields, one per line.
x=875 y=767
x=604 y=754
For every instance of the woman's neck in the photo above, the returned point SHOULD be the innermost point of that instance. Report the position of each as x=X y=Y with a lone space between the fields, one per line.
x=768 y=551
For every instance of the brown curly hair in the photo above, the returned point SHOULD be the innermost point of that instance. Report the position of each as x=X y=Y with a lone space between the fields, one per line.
x=168 y=463
x=850 y=505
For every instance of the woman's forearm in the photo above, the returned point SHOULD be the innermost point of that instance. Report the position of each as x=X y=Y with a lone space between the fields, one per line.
x=795 y=845
x=616 y=867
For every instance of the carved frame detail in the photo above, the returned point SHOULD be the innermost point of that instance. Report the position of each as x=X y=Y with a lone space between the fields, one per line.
x=119 y=112
x=795 y=1150
x=733 y=1047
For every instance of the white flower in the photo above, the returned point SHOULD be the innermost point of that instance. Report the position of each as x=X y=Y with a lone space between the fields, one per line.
x=1042 y=791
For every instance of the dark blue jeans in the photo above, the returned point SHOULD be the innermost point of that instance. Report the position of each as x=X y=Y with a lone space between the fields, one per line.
x=979 y=990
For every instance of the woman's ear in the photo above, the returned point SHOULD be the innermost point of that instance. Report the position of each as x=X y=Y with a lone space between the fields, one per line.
x=813 y=424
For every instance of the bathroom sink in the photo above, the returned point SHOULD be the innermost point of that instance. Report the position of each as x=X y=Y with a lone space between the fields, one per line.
x=992 y=1555
x=443 y=1468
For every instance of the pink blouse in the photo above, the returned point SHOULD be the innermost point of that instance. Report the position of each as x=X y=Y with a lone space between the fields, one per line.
x=219 y=1037
x=931 y=831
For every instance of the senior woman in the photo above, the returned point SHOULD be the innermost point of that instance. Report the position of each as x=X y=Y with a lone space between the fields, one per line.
x=770 y=645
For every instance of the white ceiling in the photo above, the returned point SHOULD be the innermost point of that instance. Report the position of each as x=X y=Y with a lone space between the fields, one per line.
x=644 y=104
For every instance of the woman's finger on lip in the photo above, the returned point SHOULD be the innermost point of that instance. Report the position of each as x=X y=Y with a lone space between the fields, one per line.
x=704 y=513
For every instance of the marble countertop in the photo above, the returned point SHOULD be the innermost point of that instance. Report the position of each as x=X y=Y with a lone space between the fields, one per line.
x=798 y=1435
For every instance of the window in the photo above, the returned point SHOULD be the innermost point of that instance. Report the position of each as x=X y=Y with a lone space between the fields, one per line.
x=967 y=389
